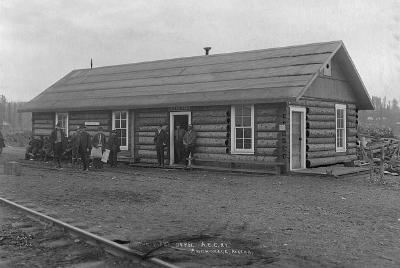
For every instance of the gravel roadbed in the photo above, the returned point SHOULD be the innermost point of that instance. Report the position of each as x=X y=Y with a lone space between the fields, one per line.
x=287 y=221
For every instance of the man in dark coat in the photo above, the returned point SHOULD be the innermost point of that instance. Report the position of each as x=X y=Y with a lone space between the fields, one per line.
x=58 y=140
x=1 y=142
x=47 y=149
x=189 y=141
x=84 y=146
x=113 y=145
x=99 y=142
x=75 y=142
x=160 y=140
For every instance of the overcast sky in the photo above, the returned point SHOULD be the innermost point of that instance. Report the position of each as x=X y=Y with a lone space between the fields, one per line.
x=41 y=41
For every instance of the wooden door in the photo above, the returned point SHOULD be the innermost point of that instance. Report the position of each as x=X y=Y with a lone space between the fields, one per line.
x=297 y=140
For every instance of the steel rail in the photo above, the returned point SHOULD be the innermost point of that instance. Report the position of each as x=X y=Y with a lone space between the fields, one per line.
x=114 y=248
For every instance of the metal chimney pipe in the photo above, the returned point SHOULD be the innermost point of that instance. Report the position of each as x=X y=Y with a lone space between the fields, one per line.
x=207 y=49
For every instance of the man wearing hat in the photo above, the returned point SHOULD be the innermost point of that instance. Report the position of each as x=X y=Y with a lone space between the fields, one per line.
x=2 y=144
x=99 y=142
x=160 y=140
x=113 y=145
x=58 y=139
x=75 y=142
x=189 y=141
x=84 y=146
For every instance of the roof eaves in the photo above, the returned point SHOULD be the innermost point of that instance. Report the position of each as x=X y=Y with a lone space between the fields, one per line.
x=369 y=105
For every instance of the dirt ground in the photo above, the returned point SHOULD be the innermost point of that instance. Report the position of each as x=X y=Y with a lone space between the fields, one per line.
x=28 y=243
x=262 y=221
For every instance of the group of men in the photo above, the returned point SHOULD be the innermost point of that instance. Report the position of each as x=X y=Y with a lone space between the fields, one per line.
x=81 y=145
x=184 y=144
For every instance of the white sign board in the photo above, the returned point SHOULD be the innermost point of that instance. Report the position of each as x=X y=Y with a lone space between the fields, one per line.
x=92 y=123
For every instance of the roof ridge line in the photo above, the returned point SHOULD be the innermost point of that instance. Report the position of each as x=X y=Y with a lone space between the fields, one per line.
x=212 y=55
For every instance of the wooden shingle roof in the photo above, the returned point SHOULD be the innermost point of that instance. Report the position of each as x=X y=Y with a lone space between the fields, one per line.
x=275 y=74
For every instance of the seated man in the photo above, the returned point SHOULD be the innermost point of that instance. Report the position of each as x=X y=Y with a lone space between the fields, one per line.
x=28 y=149
x=47 y=149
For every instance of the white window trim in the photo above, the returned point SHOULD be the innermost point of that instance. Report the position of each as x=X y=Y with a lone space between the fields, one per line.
x=122 y=148
x=341 y=107
x=66 y=123
x=233 y=133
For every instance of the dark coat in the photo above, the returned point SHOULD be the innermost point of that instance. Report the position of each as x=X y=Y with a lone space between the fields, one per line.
x=98 y=139
x=160 y=138
x=75 y=140
x=84 y=140
x=53 y=137
x=2 y=140
x=113 y=143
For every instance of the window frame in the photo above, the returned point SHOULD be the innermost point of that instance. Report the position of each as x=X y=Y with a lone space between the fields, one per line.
x=344 y=138
x=66 y=127
x=122 y=148
x=234 y=150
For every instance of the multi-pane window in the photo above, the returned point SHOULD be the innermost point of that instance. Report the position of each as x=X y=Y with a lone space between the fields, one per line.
x=62 y=118
x=120 y=123
x=242 y=129
x=340 y=127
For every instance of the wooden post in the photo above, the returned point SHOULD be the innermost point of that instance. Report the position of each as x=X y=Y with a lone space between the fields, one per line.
x=371 y=161
x=382 y=169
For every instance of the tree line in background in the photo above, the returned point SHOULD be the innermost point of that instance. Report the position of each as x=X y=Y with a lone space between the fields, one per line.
x=384 y=120
x=16 y=127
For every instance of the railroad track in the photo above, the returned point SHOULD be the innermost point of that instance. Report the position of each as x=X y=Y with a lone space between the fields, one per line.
x=140 y=259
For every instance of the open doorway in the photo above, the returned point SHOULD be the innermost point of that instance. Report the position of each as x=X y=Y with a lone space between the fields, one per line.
x=179 y=122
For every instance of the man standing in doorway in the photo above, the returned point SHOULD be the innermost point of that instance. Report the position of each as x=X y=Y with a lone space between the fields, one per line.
x=58 y=140
x=160 y=140
x=189 y=141
x=178 y=143
x=84 y=146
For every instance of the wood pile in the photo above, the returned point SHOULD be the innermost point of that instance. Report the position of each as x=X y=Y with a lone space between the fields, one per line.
x=382 y=154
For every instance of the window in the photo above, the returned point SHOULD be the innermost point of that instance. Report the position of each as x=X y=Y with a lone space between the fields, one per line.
x=120 y=123
x=62 y=118
x=242 y=129
x=340 y=127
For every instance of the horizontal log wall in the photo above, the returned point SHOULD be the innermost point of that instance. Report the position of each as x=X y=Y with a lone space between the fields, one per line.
x=104 y=118
x=43 y=123
x=213 y=143
x=146 y=123
x=269 y=141
x=321 y=133
x=212 y=125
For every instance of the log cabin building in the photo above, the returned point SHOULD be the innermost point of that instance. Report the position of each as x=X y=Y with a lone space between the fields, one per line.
x=281 y=109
